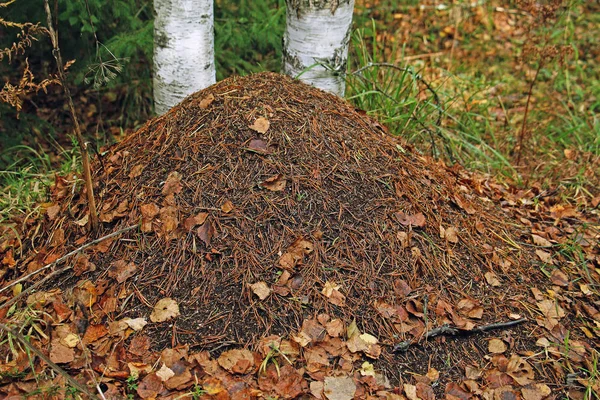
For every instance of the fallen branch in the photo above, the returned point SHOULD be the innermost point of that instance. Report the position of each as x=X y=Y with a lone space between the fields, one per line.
x=72 y=381
x=448 y=330
x=56 y=262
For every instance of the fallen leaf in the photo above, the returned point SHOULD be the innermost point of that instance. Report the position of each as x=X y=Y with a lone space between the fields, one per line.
x=206 y=232
x=261 y=125
x=261 y=289
x=535 y=391
x=207 y=101
x=339 y=388
x=52 y=212
x=198 y=219
x=450 y=234
x=331 y=291
x=172 y=184
x=164 y=310
x=137 y=324
x=275 y=183
x=492 y=279
x=559 y=278
x=136 y=171
x=295 y=253
x=150 y=386
x=164 y=373
x=258 y=146
x=237 y=361
x=416 y=220
x=121 y=270
x=496 y=346
x=540 y=241
x=61 y=354
x=410 y=391
x=227 y=207
x=520 y=370
x=544 y=256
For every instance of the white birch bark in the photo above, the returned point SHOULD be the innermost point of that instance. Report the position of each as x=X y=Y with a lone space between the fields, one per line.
x=184 y=54
x=318 y=32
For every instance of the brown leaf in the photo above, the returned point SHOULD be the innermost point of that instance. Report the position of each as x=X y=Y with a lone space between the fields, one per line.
x=275 y=183
x=206 y=232
x=464 y=205
x=496 y=346
x=258 y=146
x=149 y=211
x=559 y=278
x=285 y=382
x=237 y=361
x=331 y=291
x=53 y=211
x=121 y=270
x=455 y=392
x=164 y=310
x=520 y=370
x=192 y=221
x=417 y=220
x=61 y=354
x=492 y=279
x=227 y=207
x=173 y=184
x=150 y=386
x=136 y=171
x=295 y=253
x=207 y=101
x=540 y=241
x=450 y=234
x=261 y=289
x=339 y=388
x=261 y=125
x=544 y=256
x=535 y=391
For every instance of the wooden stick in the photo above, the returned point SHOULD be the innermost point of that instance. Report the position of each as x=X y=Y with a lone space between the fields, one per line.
x=61 y=259
x=72 y=381
x=448 y=330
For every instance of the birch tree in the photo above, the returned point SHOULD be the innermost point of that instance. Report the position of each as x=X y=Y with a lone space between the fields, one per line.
x=318 y=32
x=184 y=54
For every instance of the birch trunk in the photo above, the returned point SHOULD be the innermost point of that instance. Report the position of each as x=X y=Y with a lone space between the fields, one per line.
x=318 y=32
x=184 y=54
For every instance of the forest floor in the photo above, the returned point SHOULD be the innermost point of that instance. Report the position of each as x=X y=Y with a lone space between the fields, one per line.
x=248 y=255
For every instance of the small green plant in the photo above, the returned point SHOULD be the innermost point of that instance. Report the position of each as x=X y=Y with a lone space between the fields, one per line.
x=131 y=386
x=271 y=357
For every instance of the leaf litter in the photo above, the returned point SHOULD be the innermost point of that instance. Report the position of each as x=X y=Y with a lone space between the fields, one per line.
x=348 y=245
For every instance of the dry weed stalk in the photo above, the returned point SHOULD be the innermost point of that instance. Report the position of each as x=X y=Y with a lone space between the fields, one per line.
x=87 y=175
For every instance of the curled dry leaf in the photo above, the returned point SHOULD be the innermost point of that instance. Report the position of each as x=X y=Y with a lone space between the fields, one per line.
x=198 y=219
x=261 y=125
x=261 y=289
x=275 y=183
x=416 y=220
x=207 y=101
x=137 y=324
x=331 y=291
x=295 y=253
x=164 y=310
x=544 y=256
x=450 y=234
